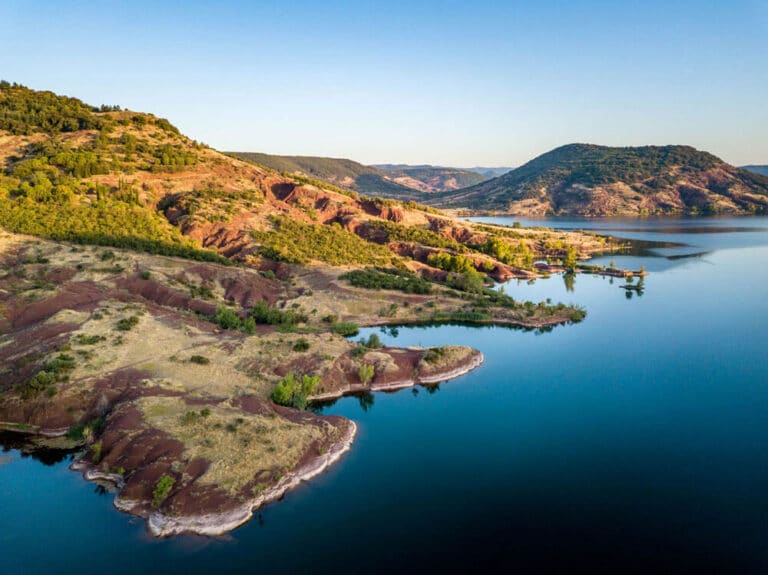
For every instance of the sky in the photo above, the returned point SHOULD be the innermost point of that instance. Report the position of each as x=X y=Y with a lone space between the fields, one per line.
x=449 y=83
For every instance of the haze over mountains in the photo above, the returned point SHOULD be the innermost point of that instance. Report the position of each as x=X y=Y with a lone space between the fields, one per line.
x=762 y=170
x=401 y=181
x=576 y=179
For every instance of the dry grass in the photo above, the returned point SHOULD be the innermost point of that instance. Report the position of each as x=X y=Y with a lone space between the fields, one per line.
x=239 y=446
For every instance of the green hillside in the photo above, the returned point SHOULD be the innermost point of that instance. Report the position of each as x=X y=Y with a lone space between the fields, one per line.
x=598 y=180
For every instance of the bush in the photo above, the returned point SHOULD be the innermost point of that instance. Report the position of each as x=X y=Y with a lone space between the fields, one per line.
x=366 y=373
x=263 y=313
x=301 y=345
x=51 y=373
x=199 y=360
x=373 y=342
x=293 y=391
x=128 y=323
x=162 y=490
x=83 y=339
x=346 y=329
x=384 y=278
x=434 y=354
x=96 y=452
x=227 y=318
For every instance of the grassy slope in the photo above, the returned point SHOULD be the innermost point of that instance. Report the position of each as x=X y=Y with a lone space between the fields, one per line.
x=80 y=325
x=131 y=180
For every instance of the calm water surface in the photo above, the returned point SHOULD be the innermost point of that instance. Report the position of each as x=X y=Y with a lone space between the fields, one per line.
x=634 y=442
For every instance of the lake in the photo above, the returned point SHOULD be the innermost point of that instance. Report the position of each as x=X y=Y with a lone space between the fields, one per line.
x=633 y=442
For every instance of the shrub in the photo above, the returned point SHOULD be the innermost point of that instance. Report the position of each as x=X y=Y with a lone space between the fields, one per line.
x=373 y=342
x=293 y=391
x=434 y=354
x=162 y=490
x=384 y=278
x=346 y=329
x=51 y=373
x=128 y=323
x=227 y=318
x=366 y=373
x=83 y=339
x=96 y=452
x=301 y=345
x=262 y=312
x=199 y=360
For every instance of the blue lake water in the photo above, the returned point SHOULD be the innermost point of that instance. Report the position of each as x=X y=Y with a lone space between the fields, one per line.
x=633 y=442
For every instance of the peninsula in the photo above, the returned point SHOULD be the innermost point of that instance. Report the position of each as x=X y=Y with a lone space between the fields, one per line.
x=171 y=311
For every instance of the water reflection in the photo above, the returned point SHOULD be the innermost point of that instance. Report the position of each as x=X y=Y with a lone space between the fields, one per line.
x=366 y=400
x=569 y=279
x=27 y=448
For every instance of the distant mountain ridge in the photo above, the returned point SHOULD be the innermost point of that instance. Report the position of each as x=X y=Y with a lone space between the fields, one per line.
x=337 y=171
x=762 y=170
x=429 y=179
x=585 y=179
x=398 y=181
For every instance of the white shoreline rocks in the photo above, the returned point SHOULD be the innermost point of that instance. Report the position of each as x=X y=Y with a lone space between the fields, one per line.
x=476 y=361
x=215 y=524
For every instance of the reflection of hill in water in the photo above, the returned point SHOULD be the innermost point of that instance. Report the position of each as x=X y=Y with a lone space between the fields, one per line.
x=46 y=456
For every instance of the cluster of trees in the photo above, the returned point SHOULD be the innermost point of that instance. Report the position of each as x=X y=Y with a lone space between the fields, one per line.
x=297 y=242
x=172 y=158
x=262 y=312
x=58 y=215
x=451 y=262
x=24 y=112
x=388 y=278
x=51 y=373
x=393 y=232
x=518 y=255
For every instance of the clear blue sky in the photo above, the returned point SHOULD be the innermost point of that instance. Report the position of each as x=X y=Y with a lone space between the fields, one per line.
x=453 y=83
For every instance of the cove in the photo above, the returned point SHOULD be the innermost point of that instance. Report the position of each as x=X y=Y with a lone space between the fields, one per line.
x=635 y=441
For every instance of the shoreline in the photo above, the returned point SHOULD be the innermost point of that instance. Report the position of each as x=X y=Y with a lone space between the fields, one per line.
x=350 y=389
x=217 y=524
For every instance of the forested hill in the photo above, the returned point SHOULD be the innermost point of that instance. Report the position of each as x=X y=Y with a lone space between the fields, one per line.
x=583 y=179
x=106 y=176
x=337 y=171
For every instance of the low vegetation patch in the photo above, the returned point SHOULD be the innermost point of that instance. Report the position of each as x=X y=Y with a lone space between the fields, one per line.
x=301 y=243
x=388 y=278
x=162 y=490
x=346 y=328
x=53 y=372
x=127 y=323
